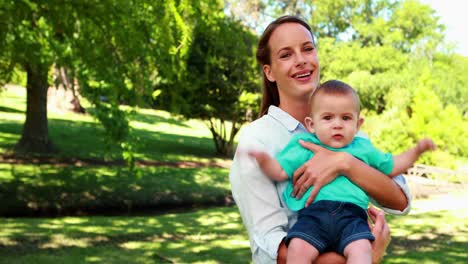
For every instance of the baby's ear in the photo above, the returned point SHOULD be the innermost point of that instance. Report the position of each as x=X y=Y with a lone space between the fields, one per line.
x=309 y=124
x=359 y=123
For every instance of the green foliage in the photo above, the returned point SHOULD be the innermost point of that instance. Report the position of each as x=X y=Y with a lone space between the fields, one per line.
x=188 y=57
x=448 y=79
x=220 y=78
x=18 y=77
x=389 y=131
x=400 y=126
x=114 y=49
x=445 y=125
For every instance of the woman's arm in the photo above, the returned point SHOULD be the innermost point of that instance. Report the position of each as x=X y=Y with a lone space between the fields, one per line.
x=258 y=201
x=325 y=165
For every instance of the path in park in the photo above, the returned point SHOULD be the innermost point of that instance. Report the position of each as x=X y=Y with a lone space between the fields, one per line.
x=450 y=201
x=430 y=195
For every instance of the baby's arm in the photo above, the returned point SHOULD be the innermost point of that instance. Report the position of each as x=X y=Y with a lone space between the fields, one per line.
x=405 y=160
x=269 y=165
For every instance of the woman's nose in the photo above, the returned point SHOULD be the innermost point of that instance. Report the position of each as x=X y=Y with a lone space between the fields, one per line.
x=300 y=60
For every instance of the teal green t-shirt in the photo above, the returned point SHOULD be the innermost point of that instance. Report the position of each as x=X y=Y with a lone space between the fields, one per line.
x=340 y=189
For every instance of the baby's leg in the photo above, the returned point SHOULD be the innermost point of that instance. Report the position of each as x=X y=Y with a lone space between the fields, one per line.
x=300 y=251
x=359 y=251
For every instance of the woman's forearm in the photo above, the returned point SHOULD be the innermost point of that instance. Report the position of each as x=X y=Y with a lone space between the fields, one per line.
x=376 y=184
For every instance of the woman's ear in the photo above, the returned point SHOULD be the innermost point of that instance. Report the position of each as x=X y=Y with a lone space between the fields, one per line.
x=309 y=124
x=267 y=71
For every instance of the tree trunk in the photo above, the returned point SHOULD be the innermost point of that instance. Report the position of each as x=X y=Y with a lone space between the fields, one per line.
x=35 y=136
x=224 y=145
x=70 y=85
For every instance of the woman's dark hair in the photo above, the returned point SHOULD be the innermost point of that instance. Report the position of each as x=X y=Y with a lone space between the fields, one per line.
x=270 y=90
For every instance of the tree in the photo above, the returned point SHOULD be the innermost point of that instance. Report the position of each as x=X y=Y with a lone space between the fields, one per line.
x=110 y=46
x=220 y=79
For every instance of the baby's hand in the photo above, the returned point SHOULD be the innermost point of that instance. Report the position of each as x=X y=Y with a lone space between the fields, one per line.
x=259 y=156
x=425 y=145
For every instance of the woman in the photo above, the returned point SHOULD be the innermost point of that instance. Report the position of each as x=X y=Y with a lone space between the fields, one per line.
x=288 y=56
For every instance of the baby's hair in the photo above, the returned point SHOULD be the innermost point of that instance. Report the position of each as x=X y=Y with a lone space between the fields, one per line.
x=336 y=87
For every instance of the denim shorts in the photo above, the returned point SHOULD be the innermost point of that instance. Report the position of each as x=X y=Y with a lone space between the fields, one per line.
x=331 y=225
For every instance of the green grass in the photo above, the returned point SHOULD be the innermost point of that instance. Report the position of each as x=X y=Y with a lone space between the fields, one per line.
x=204 y=236
x=436 y=231
x=74 y=188
x=32 y=189
x=160 y=136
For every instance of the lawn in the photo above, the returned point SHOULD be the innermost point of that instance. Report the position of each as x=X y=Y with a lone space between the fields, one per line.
x=30 y=190
x=215 y=235
x=190 y=176
x=104 y=213
x=160 y=136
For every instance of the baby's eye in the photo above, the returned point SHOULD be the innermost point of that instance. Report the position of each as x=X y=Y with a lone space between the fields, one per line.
x=327 y=117
x=346 y=118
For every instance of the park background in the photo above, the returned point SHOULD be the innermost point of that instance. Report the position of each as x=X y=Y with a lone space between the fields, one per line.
x=118 y=150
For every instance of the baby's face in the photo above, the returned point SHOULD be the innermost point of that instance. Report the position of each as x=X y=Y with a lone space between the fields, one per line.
x=335 y=119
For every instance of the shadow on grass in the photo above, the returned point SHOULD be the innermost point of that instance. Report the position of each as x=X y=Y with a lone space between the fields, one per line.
x=27 y=190
x=214 y=235
x=81 y=139
x=10 y=110
x=427 y=239
x=163 y=146
x=152 y=118
x=438 y=248
x=75 y=138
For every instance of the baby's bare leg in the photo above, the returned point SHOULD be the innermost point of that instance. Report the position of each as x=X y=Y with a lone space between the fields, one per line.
x=299 y=251
x=359 y=251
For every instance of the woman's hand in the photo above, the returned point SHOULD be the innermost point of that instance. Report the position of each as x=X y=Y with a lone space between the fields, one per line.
x=282 y=253
x=321 y=169
x=381 y=232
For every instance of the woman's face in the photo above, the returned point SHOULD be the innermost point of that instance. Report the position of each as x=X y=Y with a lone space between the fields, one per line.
x=294 y=63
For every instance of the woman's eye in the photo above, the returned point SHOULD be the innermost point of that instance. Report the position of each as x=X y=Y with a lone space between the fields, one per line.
x=285 y=55
x=309 y=48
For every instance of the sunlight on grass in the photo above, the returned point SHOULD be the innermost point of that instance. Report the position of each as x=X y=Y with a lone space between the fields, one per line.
x=74 y=220
x=206 y=236
x=156 y=135
x=5 y=241
x=200 y=236
x=216 y=235
x=93 y=259
x=59 y=241
x=431 y=234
